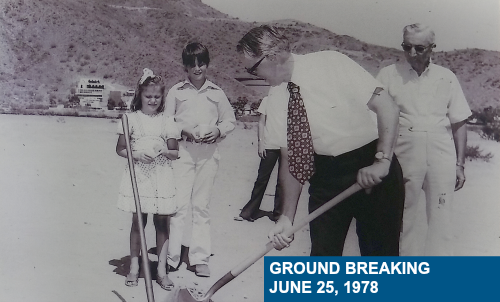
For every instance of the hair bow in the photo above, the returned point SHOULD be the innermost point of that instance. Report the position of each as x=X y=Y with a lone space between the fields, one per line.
x=146 y=73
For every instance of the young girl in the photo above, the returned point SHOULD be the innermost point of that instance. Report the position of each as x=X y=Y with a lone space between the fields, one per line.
x=153 y=137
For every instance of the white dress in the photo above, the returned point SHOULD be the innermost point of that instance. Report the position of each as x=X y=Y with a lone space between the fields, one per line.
x=155 y=181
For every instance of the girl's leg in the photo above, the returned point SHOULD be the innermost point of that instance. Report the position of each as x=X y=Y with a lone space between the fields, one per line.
x=161 y=223
x=135 y=249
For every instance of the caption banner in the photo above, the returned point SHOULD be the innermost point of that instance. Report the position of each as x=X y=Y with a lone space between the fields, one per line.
x=381 y=278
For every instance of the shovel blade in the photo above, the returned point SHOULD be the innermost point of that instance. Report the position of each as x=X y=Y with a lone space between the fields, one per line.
x=184 y=295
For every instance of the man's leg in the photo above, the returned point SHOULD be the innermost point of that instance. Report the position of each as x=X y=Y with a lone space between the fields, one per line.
x=278 y=207
x=411 y=151
x=333 y=175
x=329 y=230
x=266 y=167
x=439 y=186
x=379 y=216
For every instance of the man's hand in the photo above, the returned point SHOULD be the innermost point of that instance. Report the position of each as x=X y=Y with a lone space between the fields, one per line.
x=460 y=178
x=372 y=175
x=211 y=135
x=276 y=234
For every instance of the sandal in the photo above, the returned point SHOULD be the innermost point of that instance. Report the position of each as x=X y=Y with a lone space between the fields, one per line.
x=240 y=218
x=132 y=280
x=165 y=282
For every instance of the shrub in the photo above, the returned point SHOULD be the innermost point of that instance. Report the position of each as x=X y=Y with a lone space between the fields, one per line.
x=474 y=153
x=37 y=106
x=491 y=131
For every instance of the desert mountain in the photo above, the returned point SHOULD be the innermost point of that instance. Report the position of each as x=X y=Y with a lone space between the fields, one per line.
x=47 y=45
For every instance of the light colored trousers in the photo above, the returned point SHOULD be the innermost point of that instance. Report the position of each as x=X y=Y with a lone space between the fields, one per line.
x=195 y=172
x=428 y=161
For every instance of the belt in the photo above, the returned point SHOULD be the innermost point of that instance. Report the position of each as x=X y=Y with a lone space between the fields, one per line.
x=430 y=129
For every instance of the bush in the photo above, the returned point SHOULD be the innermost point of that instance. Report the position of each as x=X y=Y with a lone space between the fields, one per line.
x=37 y=106
x=474 y=153
x=491 y=131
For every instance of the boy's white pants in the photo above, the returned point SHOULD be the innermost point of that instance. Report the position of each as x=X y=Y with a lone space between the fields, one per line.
x=428 y=161
x=195 y=172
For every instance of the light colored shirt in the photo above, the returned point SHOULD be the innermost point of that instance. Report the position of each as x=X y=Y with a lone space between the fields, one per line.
x=426 y=102
x=275 y=106
x=209 y=105
x=336 y=90
x=159 y=125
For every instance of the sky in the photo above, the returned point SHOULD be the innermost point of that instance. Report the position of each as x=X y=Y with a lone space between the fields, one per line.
x=458 y=24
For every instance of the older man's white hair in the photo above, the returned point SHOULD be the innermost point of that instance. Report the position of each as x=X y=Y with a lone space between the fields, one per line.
x=418 y=28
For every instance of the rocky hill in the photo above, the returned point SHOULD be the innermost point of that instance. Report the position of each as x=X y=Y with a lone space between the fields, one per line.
x=47 y=45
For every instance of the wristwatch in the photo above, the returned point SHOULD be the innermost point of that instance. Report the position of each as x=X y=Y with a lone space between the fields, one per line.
x=381 y=155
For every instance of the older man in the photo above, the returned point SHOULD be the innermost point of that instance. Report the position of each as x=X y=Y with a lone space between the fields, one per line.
x=429 y=99
x=330 y=135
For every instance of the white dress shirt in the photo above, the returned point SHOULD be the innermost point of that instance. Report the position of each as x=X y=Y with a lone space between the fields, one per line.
x=336 y=90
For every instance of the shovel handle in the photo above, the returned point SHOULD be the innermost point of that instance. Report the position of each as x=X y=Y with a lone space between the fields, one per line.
x=144 y=250
x=297 y=226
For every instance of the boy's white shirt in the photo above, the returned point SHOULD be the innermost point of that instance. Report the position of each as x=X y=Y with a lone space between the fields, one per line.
x=275 y=108
x=208 y=105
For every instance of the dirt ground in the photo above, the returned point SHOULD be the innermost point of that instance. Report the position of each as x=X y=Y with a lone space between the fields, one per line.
x=64 y=239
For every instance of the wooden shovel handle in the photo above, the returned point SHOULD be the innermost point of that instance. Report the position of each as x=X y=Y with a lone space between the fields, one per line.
x=297 y=226
x=144 y=249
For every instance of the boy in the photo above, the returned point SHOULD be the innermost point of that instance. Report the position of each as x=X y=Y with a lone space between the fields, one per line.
x=272 y=129
x=204 y=115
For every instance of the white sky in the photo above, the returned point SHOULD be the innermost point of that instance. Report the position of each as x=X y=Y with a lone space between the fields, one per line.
x=458 y=24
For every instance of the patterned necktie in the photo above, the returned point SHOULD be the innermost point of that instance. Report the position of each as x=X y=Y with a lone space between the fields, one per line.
x=299 y=139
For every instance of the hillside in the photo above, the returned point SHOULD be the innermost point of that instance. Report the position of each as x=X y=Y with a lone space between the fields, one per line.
x=47 y=45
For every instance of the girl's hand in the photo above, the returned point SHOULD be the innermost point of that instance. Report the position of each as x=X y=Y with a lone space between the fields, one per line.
x=211 y=135
x=170 y=154
x=143 y=157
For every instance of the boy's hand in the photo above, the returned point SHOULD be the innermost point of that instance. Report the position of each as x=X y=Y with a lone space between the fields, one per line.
x=192 y=133
x=211 y=135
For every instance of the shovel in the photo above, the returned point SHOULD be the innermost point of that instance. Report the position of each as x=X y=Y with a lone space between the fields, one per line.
x=144 y=249
x=185 y=295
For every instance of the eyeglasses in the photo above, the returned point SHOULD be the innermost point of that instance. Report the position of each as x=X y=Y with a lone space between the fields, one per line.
x=252 y=69
x=418 y=48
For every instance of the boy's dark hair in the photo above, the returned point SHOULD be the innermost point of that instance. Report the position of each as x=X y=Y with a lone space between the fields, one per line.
x=136 y=103
x=195 y=51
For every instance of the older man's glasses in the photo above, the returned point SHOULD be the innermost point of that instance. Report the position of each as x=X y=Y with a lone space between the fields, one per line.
x=418 y=48
x=252 y=69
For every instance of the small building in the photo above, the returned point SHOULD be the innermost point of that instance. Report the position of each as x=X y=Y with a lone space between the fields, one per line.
x=91 y=93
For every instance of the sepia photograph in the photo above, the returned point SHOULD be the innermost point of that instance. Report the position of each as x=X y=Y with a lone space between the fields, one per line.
x=157 y=150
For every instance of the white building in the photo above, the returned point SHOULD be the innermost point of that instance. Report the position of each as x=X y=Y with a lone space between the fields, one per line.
x=91 y=93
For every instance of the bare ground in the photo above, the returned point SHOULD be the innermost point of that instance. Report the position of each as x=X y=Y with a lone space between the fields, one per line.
x=64 y=240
